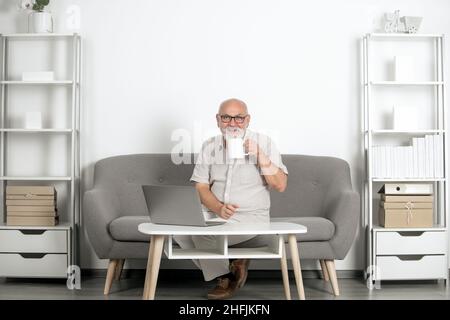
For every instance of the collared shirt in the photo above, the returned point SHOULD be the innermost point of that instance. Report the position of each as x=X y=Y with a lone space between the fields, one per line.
x=237 y=181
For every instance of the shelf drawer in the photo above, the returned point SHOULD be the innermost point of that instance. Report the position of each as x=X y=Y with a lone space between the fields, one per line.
x=411 y=267
x=33 y=265
x=39 y=241
x=396 y=243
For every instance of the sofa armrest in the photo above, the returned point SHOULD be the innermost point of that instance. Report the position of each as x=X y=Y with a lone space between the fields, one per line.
x=344 y=212
x=100 y=207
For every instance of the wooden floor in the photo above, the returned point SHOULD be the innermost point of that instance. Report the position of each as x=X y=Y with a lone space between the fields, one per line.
x=185 y=288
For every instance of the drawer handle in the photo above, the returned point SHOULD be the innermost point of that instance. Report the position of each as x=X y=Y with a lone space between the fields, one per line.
x=32 y=232
x=411 y=257
x=411 y=234
x=33 y=255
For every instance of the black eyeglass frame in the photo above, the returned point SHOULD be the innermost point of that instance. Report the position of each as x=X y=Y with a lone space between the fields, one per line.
x=231 y=118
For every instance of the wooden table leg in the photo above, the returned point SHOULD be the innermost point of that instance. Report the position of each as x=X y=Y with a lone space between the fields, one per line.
x=148 y=271
x=154 y=260
x=284 y=272
x=296 y=264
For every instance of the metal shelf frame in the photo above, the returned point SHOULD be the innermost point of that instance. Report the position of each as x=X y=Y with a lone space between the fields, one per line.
x=440 y=184
x=74 y=176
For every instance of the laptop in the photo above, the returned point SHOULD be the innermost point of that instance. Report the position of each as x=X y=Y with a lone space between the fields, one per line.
x=176 y=205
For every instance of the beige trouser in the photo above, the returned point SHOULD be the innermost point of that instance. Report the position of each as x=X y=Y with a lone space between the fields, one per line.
x=213 y=268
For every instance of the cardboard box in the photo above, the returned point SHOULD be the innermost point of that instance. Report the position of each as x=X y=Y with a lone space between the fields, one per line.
x=402 y=205
x=31 y=202
x=30 y=197
x=405 y=198
x=32 y=190
x=32 y=214
x=31 y=221
x=404 y=218
x=30 y=208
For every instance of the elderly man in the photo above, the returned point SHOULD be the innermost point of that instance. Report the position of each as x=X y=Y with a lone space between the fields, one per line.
x=236 y=190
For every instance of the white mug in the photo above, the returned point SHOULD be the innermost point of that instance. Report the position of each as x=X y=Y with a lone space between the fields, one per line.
x=235 y=148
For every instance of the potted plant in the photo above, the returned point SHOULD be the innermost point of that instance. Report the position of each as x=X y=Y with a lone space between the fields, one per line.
x=39 y=21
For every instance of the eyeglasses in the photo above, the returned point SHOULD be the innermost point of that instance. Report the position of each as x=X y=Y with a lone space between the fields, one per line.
x=238 y=119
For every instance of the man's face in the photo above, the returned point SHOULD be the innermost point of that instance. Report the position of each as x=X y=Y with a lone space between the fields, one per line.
x=232 y=116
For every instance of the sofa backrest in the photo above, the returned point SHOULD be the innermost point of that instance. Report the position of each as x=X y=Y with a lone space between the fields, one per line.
x=310 y=179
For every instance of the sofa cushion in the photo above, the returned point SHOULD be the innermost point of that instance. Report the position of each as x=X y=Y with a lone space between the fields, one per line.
x=319 y=229
x=125 y=228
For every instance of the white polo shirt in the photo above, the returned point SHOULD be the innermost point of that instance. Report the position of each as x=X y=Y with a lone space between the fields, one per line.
x=237 y=181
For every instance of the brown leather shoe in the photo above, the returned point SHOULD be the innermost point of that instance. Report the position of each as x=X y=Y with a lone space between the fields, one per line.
x=224 y=289
x=239 y=268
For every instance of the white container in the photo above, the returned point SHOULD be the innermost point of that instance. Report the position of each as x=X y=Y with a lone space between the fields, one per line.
x=40 y=22
x=403 y=68
x=412 y=24
x=38 y=76
x=405 y=118
x=33 y=120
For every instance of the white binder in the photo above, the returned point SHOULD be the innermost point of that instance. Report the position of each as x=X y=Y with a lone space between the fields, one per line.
x=407 y=188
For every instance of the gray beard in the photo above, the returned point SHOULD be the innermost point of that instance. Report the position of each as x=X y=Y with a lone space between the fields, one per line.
x=233 y=132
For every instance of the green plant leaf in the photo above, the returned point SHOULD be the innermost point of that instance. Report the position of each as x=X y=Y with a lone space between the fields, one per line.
x=37 y=7
x=42 y=3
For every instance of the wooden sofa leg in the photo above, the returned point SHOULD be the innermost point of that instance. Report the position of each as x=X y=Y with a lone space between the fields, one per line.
x=332 y=274
x=110 y=275
x=324 y=270
x=119 y=268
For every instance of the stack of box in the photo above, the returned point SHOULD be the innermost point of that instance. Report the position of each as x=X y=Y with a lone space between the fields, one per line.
x=406 y=206
x=31 y=206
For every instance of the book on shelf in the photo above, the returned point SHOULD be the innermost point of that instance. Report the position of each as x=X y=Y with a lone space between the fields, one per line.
x=422 y=159
x=32 y=221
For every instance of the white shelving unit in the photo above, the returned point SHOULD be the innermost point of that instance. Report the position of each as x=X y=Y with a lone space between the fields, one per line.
x=223 y=251
x=41 y=251
x=404 y=253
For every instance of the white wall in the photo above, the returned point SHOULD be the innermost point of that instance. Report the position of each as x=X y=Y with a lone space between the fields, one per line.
x=151 y=67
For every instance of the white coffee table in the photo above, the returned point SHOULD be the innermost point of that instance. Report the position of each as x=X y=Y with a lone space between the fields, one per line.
x=274 y=250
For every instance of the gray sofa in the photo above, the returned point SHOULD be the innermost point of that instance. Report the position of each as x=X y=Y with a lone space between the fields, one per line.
x=319 y=195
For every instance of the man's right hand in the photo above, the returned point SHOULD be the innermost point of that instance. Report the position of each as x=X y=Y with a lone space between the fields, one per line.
x=227 y=211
